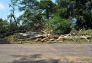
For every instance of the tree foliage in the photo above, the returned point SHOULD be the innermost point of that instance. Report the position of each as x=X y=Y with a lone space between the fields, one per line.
x=46 y=14
x=3 y=28
x=59 y=25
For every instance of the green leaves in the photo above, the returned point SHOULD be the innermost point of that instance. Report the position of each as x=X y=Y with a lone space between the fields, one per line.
x=48 y=6
x=59 y=25
x=3 y=28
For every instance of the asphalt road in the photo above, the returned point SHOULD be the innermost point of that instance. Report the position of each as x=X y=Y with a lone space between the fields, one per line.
x=12 y=53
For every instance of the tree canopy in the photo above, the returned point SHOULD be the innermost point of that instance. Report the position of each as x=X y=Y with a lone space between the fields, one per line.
x=60 y=16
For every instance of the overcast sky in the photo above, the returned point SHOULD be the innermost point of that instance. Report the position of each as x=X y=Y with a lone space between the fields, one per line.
x=4 y=8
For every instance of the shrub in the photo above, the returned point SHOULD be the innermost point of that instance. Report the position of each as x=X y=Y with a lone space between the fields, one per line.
x=59 y=25
x=85 y=32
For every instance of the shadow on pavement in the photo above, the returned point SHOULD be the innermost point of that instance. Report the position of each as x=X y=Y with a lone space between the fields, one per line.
x=37 y=58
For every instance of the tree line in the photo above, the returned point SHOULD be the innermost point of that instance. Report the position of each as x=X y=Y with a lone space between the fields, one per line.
x=59 y=17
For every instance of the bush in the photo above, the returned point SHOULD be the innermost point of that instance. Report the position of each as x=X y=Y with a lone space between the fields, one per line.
x=12 y=39
x=3 y=28
x=59 y=25
x=85 y=32
x=88 y=20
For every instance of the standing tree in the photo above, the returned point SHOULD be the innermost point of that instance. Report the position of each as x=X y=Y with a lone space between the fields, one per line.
x=12 y=17
x=31 y=17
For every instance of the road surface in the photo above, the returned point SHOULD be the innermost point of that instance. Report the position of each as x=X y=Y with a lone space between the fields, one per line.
x=32 y=53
